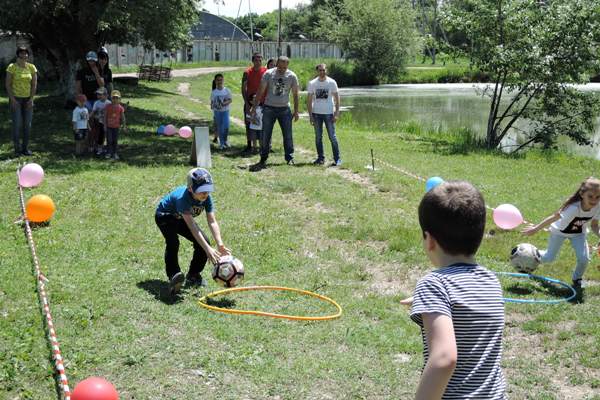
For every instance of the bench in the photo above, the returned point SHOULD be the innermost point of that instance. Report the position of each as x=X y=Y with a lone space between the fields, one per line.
x=154 y=73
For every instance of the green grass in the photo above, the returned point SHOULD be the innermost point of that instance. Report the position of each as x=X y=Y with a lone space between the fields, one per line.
x=352 y=236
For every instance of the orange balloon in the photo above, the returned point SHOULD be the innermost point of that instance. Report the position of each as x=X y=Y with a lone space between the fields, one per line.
x=39 y=208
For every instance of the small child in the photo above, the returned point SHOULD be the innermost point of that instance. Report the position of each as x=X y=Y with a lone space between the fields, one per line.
x=255 y=124
x=570 y=222
x=459 y=306
x=114 y=118
x=175 y=216
x=220 y=99
x=81 y=124
x=97 y=118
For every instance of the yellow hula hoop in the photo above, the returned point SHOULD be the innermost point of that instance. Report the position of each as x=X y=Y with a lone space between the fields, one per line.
x=203 y=303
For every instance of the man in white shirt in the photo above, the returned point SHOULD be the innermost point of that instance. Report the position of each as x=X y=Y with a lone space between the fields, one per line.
x=323 y=104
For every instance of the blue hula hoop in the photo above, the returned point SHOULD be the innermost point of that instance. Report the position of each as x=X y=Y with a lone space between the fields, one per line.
x=544 y=278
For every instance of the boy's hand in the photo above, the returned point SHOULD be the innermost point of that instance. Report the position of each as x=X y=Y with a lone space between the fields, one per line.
x=224 y=250
x=125 y=129
x=213 y=255
x=407 y=302
x=529 y=230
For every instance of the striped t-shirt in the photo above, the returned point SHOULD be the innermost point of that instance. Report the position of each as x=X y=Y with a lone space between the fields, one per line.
x=471 y=295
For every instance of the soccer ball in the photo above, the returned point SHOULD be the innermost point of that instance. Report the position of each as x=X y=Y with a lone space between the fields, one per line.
x=525 y=258
x=228 y=272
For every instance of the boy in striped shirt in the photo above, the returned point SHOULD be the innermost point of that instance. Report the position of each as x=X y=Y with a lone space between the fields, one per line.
x=459 y=306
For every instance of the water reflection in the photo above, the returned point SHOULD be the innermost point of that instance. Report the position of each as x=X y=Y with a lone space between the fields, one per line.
x=444 y=106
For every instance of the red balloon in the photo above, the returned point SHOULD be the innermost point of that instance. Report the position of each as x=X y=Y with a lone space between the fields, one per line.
x=95 y=388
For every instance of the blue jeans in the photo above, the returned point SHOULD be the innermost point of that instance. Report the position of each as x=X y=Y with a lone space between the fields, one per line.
x=579 y=244
x=21 y=118
x=222 y=121
x=284 y=116
x=319 y=119
x=112 y=138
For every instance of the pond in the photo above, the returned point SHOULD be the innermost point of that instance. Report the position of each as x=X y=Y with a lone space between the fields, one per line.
x=444 y=106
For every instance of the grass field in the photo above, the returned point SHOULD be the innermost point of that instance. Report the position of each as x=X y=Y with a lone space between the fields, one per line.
x=348 y=233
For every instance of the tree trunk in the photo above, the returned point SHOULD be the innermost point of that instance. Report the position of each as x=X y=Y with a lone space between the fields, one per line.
x=66 y=78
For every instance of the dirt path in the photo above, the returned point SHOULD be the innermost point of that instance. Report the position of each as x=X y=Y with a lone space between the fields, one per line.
x=186 y=73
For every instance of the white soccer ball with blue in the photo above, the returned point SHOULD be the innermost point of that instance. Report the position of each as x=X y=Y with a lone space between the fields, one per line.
x=525 y=258
x=228 y=272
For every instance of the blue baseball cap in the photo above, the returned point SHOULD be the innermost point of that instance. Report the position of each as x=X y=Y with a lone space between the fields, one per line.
x=200 y=180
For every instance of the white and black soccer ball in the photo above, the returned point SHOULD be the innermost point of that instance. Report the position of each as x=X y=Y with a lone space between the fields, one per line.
x=228 y=272
x=525 y=258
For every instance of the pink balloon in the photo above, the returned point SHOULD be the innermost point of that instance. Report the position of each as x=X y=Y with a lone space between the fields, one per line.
x=31 y=175
x=185 y=132
x=170 y=130
x=95 y=388
x=507 y=216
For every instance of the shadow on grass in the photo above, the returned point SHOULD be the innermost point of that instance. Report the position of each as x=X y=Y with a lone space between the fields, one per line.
x=221 y=303
x=546 y=288
x=160 y=290
x=52 y=139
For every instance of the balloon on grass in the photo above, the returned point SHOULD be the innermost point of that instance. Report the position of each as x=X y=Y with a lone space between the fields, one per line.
x=94 y=388
x=31 y=175
x=160 y=130
x=185 y=132
x=507 y=216
x=39 y=208
x=432 y=182
x=170 y=130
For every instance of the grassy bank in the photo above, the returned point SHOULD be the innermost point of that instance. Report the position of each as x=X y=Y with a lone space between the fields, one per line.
x=351 y=234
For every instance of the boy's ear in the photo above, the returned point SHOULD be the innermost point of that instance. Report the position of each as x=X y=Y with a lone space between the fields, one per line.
x=430 y=242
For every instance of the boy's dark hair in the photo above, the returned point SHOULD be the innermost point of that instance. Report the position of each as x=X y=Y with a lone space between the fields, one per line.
x=454 y=214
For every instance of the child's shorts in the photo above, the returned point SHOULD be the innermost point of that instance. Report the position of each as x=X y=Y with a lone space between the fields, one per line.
x=80 y=134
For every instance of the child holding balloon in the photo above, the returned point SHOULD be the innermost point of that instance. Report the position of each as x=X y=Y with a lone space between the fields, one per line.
x=570 y=221
x=175 y=217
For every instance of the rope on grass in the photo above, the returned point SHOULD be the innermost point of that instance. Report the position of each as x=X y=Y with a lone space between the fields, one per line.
x=541 y=278
x=408 y=173
x=41 y=279
x=203 y=302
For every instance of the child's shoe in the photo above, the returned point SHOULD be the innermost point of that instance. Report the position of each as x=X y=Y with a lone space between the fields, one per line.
x=195 y=280
x=175 y=283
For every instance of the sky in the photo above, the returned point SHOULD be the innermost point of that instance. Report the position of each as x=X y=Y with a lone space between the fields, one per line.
x=259 y=7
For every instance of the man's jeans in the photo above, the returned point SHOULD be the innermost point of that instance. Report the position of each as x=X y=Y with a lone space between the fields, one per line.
x=284 y=116
x=319 y=119
x=21 y=118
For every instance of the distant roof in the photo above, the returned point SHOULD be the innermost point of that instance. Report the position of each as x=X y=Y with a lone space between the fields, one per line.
x=214 y=27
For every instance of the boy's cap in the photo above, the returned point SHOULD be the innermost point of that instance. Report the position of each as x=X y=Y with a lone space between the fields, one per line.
x=91 y=56
x=200 y=180
x=81 y=97
x=116 y=93
x=101 y=90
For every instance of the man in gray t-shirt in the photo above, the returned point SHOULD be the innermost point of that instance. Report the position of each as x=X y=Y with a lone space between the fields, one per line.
x=275 y=87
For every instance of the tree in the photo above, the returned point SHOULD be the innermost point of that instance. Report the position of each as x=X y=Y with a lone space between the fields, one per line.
x=379 y=35
x=66 y=29
x=534 y=51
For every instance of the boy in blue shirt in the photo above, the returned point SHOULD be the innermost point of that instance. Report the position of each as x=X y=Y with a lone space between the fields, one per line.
x=175 y=216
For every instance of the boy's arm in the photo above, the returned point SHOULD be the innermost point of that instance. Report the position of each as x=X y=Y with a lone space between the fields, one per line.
x=439 y=333
x=309 y=100
x=531 y=229
x=124 y=121
x=295 y=98
x=212 y=254
x=216 y=232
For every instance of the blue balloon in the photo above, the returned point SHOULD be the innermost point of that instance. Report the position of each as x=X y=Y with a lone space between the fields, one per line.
x=432 y=182
x=161 y=130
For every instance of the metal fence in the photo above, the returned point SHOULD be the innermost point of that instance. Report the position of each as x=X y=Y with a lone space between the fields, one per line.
x=220 y=50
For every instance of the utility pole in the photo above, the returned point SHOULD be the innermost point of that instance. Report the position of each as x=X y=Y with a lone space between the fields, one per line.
x=279 y=32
